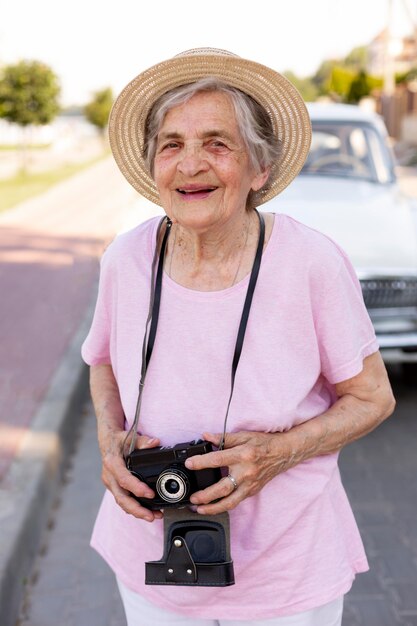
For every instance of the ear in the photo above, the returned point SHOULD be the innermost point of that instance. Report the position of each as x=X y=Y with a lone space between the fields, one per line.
x=260 y=179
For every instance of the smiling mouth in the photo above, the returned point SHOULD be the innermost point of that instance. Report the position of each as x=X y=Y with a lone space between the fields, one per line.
x=193 y=192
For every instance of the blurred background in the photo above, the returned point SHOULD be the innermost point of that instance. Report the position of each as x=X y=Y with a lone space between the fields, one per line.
x=62 y=200
x=75 y=59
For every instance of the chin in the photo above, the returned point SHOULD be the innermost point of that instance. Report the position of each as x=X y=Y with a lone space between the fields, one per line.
x=198 y=217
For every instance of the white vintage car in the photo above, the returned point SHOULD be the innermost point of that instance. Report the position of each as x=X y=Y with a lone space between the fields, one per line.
x=348 y=190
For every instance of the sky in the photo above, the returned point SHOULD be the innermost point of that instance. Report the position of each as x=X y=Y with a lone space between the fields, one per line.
x=94 y=44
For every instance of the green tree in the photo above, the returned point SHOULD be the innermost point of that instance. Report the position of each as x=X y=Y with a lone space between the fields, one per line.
x=340 y=81
x=29 y=93
x=359 y=88
x=305 y=86
x=357 y=59
x=406 y=77
x=321 y=79
x=352 y=86
x=98 y=110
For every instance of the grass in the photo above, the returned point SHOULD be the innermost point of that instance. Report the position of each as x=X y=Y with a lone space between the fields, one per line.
x=15 y=147
x=23 y=185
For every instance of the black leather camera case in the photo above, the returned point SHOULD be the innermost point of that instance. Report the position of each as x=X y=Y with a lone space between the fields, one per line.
x=196 y=551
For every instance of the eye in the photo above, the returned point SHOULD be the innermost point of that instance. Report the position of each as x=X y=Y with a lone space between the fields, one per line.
x=169 y=145
x=217 y=145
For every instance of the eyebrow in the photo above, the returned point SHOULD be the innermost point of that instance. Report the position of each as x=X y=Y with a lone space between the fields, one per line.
x=171 y=135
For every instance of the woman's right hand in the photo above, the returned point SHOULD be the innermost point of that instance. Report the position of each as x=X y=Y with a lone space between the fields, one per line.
x=111 y=438
x=119 y=480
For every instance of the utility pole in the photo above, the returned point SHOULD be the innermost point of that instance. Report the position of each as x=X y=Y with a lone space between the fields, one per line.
x=413 y=22
x=389 y=72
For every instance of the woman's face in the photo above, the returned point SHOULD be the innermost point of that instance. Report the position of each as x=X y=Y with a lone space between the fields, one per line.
x=202 y=169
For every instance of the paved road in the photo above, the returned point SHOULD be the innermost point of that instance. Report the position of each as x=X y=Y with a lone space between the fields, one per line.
x=380 y=472
x=70 y=586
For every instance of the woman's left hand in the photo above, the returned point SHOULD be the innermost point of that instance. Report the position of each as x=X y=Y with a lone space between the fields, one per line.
x=251 y=462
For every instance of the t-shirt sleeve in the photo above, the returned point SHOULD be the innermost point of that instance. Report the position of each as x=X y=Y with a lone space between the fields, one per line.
x=344 y=330
x=96 y=347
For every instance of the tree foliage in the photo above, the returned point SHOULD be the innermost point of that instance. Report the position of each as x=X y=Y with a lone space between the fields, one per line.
x=351 y=86
x=359 y=88
x=406 y=77
x=357 y=59
x=321 y=79
x=340 y=81
x=305 y=86
x=29 y=92
x=98 y=110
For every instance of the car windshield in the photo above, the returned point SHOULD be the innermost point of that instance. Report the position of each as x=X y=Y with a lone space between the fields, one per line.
x=348 y=150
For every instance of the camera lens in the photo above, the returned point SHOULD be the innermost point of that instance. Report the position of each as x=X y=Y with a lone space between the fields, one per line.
x=172 y=485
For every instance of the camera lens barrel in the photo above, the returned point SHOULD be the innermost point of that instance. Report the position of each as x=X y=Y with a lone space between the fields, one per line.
x=173 y=485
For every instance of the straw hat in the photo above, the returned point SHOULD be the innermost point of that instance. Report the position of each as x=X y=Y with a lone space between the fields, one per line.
x=273 y=91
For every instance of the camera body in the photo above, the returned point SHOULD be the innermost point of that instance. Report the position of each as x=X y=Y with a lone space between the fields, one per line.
x=163 y=470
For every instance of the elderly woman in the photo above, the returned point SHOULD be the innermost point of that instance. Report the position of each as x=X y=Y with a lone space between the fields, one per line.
x=210 y=136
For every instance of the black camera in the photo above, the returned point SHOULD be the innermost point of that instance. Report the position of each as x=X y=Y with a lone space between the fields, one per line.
x=163 y=470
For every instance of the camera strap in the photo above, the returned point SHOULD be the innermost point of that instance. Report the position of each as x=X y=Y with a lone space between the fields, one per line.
x=153 y=315
x=150 y=333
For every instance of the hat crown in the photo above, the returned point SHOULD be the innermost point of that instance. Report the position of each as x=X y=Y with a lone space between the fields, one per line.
x=206 y=51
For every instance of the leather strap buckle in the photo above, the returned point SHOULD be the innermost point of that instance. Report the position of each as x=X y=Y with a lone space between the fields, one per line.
x=180 y=567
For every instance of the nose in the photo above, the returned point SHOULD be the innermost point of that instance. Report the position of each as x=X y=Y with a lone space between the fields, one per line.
x=191 y=161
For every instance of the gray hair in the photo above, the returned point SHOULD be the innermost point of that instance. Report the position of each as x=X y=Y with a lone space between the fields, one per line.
x=254 y=123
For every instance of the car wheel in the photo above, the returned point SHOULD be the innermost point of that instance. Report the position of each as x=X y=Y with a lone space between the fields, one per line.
x=409 y=374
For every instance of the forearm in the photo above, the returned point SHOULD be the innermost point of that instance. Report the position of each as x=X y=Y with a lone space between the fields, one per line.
x=347 y=420
x=106 y=401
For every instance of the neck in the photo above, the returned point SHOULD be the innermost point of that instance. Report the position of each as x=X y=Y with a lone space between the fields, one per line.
x=218 y=243
x=215 y=258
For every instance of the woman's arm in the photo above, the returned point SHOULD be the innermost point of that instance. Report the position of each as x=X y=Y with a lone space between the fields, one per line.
x=255 y=458
x=111 y=436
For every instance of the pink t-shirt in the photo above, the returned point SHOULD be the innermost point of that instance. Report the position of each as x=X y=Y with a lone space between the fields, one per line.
x=295 y=545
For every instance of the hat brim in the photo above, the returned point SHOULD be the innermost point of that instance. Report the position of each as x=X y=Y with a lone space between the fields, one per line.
x=280 y=99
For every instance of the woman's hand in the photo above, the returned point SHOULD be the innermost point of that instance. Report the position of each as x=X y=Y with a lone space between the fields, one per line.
x=119 y=480
x=250 y=460
x=253 y=458
x=111 y=437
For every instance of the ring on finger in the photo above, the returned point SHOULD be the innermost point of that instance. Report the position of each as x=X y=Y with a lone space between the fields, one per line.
x=233 y=481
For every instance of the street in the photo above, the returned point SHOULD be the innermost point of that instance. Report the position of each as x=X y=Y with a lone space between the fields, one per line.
x=71 y=586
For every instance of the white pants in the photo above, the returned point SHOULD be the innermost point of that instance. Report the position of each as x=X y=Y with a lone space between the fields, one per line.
x=140 y=612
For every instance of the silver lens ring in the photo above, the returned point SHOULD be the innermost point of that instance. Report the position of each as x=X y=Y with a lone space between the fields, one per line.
x=163 y=489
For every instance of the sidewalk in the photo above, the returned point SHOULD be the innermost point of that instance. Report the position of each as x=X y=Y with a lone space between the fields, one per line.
x=49 y=251
x=70 y=585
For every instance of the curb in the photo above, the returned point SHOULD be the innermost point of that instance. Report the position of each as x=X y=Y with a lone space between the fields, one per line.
x=34 y=476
